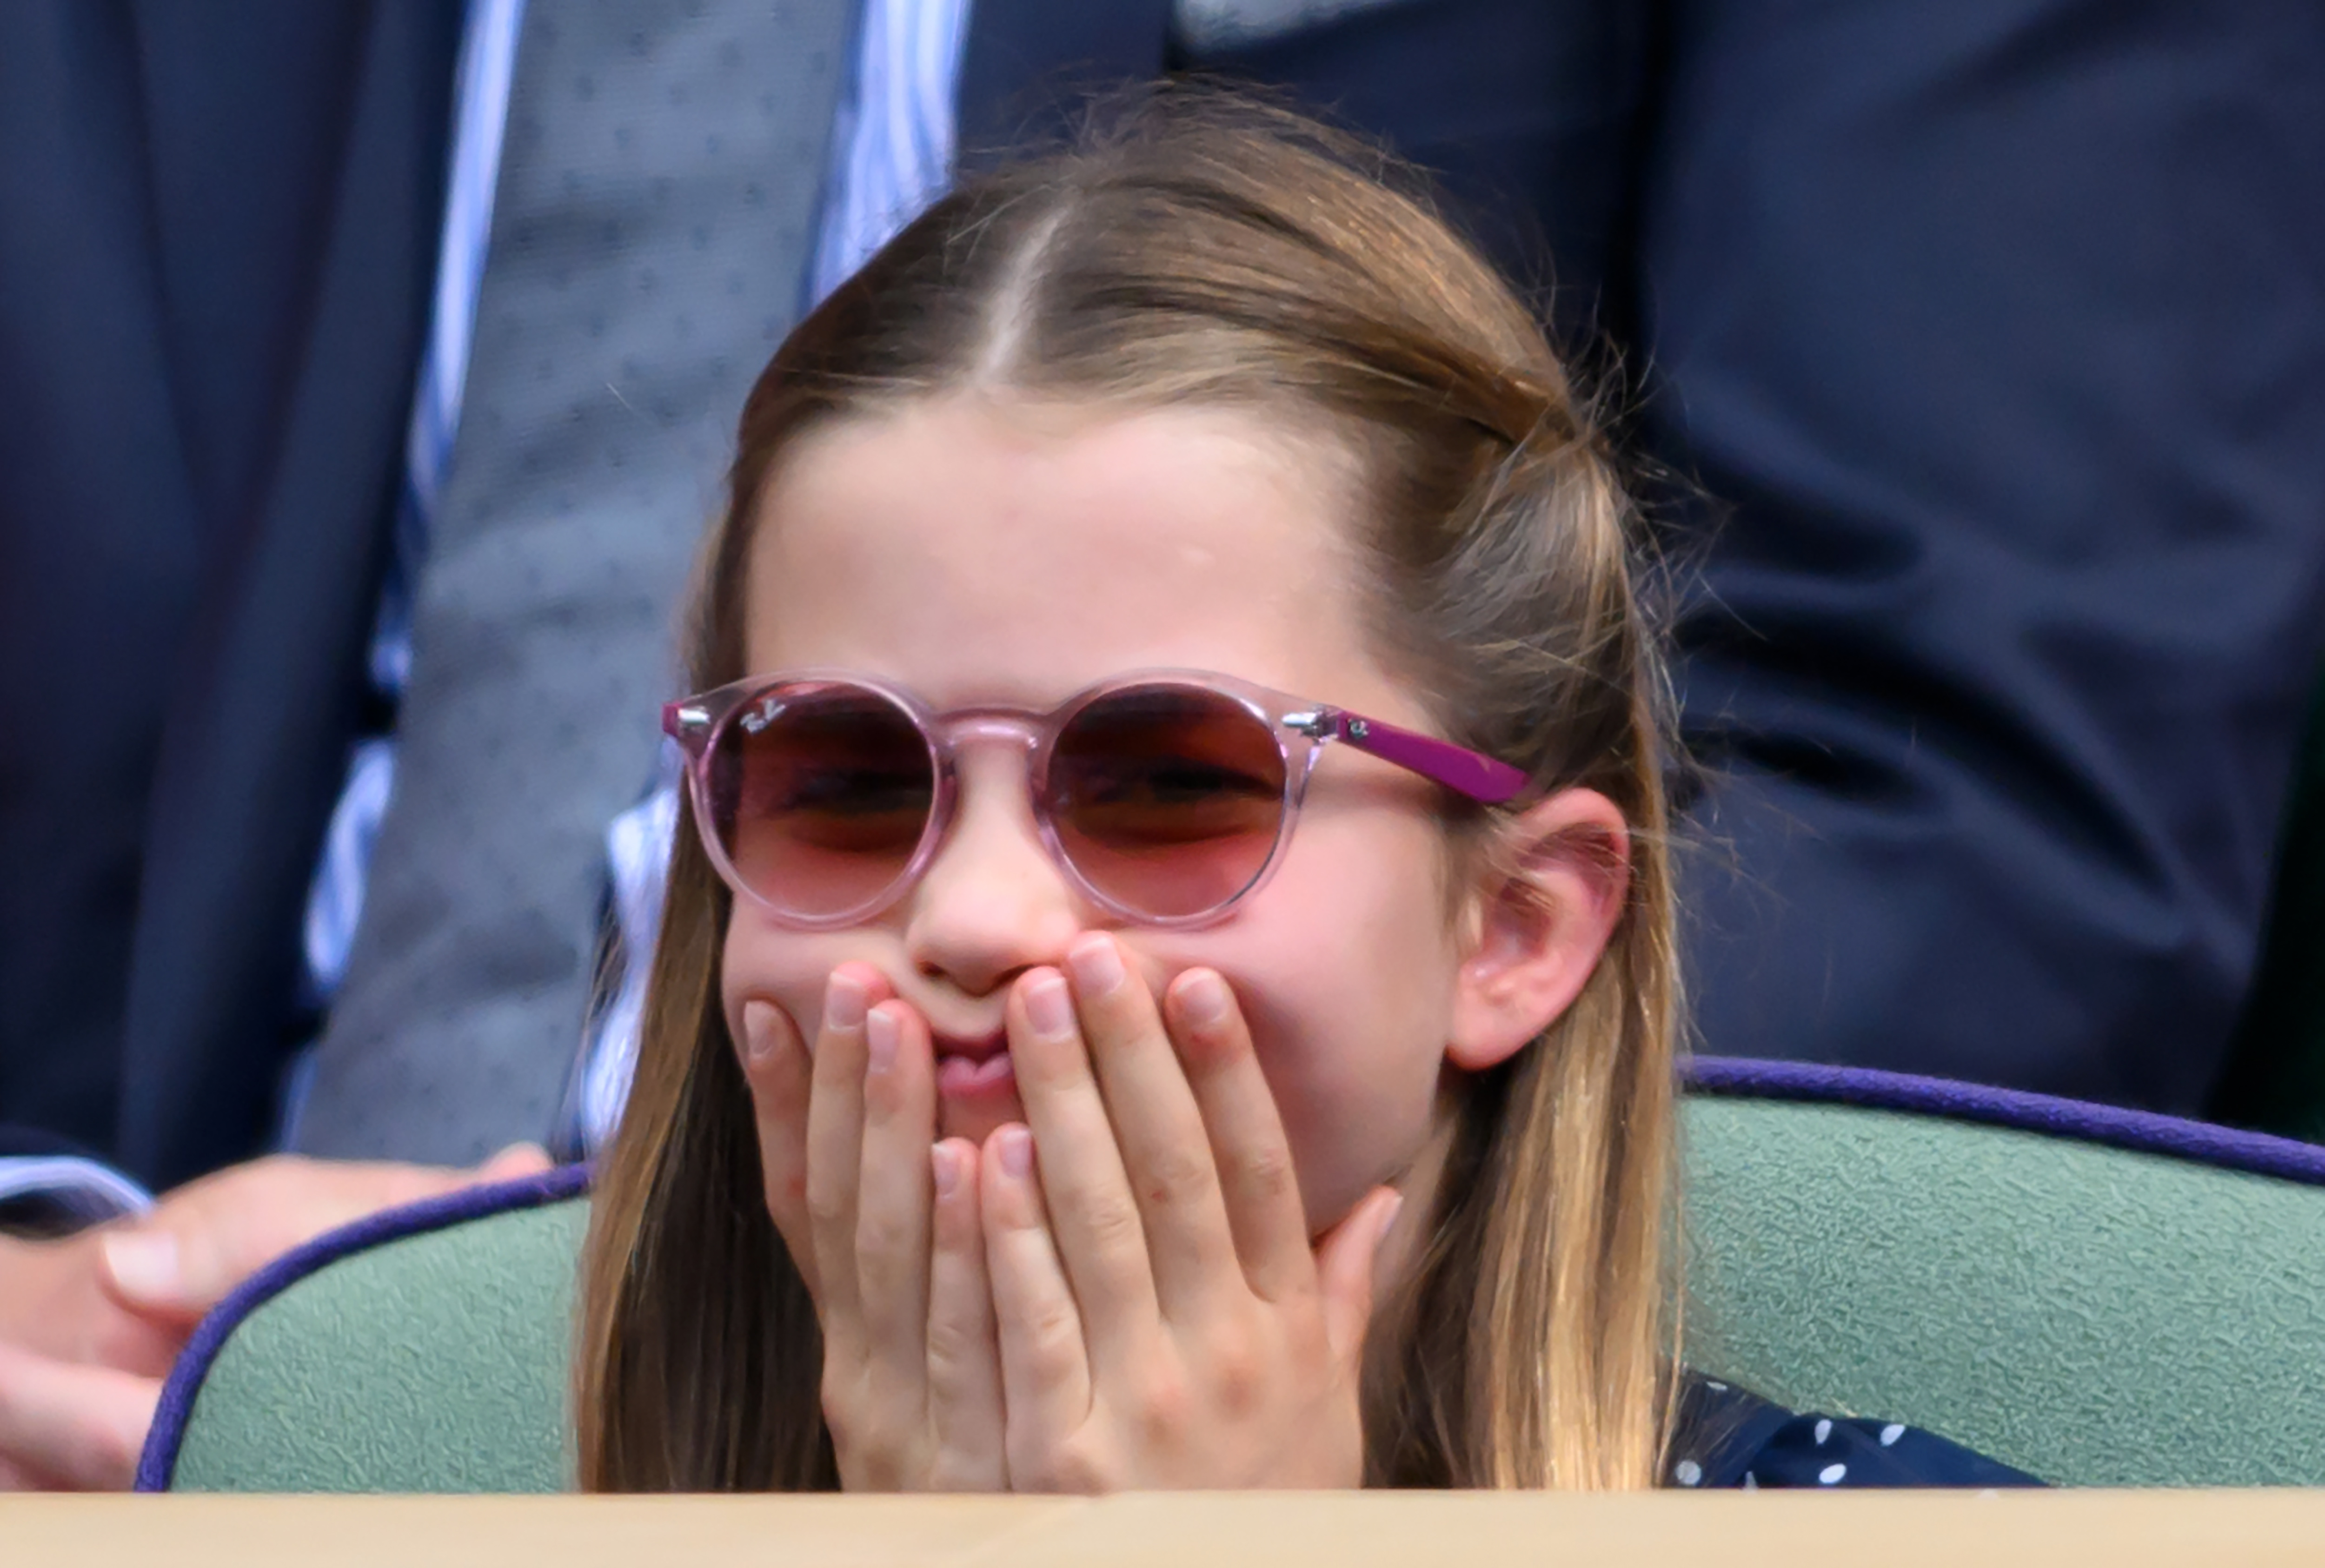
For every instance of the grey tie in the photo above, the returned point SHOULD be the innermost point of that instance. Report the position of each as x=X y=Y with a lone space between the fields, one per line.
x=654 y=219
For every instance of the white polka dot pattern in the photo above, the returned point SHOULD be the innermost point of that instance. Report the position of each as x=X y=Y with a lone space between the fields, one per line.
x=1729 y=1438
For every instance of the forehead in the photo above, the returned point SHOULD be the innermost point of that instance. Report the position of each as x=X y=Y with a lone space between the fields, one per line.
x=977 y=549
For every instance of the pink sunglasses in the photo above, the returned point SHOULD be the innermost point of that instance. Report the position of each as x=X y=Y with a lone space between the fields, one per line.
x=1164 y=796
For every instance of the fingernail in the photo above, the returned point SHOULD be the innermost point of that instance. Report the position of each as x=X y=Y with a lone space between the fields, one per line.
x=1203 y=996
x=144 y=1265
x=758 y=1031
x=1389 y=1212
x=944 y=1163
x=1016 y=1150
x=1047 y=1004
x=1097 y=965
x=880 y=1039
x=844 y=1002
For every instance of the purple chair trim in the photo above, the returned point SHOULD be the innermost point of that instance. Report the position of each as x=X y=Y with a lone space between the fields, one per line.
x=2146 y=1132
x=158 y=1464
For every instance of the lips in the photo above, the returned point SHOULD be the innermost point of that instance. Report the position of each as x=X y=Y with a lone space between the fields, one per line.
x=962 y=1078
x=974 y=1069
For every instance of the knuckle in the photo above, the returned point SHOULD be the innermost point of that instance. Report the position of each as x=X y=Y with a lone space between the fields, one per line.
x=1238 y=1374
x=1054 y=1335
x=1113 y=1225
x=1265 y=1176
x=108 y=1455
x=840 y=1412
x=1178 y=1178
x=827 y=1205
x=1077 y=1470
x=955 y=1351
x=883 y=1235
x=1064 y=1467
x=1163 y=1409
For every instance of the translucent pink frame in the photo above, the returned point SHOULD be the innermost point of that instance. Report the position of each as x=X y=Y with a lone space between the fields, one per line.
x=1301 y=730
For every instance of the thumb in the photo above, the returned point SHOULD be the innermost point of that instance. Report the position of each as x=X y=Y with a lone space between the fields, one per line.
x=147 y=1269
x=1344 y=1269
x=177 y=1267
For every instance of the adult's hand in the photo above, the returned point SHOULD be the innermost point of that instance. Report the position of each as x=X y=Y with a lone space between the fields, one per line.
x=90 y=1323
x=209 y=1236
x=79 y=1371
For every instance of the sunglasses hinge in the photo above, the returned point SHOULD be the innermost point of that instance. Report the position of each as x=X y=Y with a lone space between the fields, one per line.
x=1322 y=725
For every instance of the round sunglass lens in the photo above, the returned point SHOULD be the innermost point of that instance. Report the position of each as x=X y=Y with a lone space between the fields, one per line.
x=1168 y=799
x=820 y=793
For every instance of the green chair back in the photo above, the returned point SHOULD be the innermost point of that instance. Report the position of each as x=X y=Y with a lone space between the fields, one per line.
x=424 y=1352
x=2094 y=1313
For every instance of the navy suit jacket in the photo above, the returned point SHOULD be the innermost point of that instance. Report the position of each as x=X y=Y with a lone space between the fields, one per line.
x=217 y=231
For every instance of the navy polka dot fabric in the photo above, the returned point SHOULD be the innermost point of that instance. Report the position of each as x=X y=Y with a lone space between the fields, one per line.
x=1729 y=1438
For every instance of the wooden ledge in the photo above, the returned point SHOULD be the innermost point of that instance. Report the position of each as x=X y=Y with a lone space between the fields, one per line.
x=1204 y=1530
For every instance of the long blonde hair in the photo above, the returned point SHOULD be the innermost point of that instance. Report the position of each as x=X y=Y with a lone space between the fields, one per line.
x=1191 y=251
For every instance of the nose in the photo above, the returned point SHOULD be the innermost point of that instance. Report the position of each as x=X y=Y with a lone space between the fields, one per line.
x=992 y=904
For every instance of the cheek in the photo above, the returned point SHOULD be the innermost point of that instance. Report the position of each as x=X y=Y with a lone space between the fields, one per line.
x=762 y=961
x=1347 y=979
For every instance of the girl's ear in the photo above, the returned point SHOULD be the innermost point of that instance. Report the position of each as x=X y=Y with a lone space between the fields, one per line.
x=1543 y=911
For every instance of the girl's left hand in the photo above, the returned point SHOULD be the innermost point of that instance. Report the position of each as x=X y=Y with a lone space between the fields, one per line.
x=1163 y=1321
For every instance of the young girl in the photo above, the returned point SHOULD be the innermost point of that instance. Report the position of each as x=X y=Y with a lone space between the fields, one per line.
x=1168 y=981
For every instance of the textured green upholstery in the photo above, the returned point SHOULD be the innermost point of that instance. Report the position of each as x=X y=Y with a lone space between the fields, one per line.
x=434 y=1363
x=2094 y=1315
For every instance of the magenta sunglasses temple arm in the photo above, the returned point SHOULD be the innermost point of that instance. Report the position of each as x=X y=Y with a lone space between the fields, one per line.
x=1458 y=769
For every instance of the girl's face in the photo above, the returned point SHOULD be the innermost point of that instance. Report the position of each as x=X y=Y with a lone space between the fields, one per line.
x=975 y=550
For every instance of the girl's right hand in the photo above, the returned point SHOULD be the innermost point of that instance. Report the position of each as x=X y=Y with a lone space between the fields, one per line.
x=885 y=1230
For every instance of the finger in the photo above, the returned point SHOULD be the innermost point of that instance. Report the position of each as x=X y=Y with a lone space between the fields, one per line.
x=1165 y=1152
x=964 y=1392
x=776 y=1066
x=1345 y=1263
x=1249 y=1148
x=74 y=1428
x=834 y=1139
x=194 y=1248
x=891 y=1214
x=518 y=1159
x=1086 y=1193
x=1045 y=1365
x=57 y=1300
